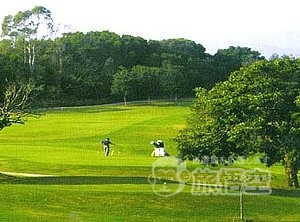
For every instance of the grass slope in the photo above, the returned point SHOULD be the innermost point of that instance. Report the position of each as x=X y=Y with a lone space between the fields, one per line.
x=86 y=186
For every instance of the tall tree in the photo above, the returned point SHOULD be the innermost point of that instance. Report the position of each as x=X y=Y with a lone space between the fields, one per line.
x=256 y=110
x=172 y=80
x=28 y=26
x=147 y=82
x=122 y=84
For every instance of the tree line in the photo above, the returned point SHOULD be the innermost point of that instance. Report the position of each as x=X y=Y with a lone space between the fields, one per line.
x=102 y=67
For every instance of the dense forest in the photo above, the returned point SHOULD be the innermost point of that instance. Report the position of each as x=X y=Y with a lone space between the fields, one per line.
x=78 y=68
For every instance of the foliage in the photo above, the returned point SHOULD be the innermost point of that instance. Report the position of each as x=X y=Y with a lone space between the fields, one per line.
x=255 y=111
x=14 y=104
x=122 y=83
x=172 y=80
x=25 y=28
x=139 y=82
x=231 y=59
x=79 y=68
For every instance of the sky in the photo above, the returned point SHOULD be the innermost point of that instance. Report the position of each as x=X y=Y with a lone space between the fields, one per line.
x=267 y=26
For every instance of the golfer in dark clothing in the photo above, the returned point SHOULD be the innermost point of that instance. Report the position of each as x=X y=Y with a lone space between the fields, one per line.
x=106 y=145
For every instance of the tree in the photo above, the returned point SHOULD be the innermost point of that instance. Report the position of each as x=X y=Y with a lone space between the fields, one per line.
x=13 y=107
x=232 y=59
x=172 y=80
x=140 y=82
x=147 y=82
x=132 y=51
x=183 y=47
x=122 y=83
x=255 y=111
x=27 y=27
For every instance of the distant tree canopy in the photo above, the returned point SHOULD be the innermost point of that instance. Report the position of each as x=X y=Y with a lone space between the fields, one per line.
x=256 y=110
x=233 y=58
x=78 y=68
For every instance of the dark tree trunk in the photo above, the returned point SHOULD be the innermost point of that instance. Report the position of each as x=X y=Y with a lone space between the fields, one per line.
x=291 y=171
x=125 y=100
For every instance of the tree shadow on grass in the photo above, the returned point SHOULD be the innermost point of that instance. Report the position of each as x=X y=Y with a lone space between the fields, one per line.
x=74 y=180
x=286 y=192
x=86 y=109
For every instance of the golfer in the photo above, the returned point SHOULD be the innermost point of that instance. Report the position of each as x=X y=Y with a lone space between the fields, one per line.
x=106 y=146
x=159 y=148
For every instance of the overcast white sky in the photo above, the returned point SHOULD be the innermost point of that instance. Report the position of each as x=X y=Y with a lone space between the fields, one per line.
x=264 y=25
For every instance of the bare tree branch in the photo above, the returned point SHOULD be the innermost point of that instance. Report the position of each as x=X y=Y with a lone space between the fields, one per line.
x=14 y=108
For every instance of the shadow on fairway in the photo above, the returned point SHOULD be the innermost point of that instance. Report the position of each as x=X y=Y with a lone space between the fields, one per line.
x=86 y=109
x=75 y=180
x=286 y=192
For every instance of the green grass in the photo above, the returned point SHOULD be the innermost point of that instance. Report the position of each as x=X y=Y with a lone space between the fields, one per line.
x=86 y=186
x=71 y=137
